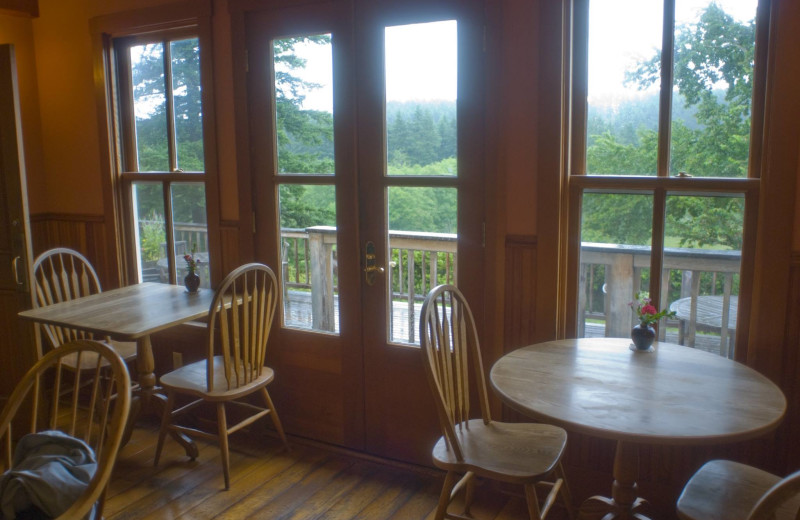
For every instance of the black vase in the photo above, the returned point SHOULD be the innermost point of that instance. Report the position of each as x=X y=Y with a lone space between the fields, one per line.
x=192 y=282
x=643 y=336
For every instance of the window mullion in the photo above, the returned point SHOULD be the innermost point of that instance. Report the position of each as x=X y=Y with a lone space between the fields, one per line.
x=171 y=142
x=170 y=231
x=665 y=99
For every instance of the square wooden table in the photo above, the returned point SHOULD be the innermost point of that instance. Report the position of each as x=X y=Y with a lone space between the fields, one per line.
x=131 y=313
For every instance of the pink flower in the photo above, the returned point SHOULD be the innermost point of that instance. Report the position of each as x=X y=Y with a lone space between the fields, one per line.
x=649 y=309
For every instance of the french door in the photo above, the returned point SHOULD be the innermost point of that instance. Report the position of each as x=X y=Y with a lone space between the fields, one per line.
x=365 y=151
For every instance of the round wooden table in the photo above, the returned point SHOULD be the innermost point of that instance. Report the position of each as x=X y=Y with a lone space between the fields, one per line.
x=670 y=396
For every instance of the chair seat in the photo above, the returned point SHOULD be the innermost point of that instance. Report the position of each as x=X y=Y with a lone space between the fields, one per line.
x=191 y=379
x=727 y=490
x=509 y=452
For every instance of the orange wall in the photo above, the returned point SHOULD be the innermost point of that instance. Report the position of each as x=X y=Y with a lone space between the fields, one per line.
x=18 y=31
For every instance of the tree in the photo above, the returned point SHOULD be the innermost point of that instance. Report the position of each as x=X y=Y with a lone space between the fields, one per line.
x=713 y=74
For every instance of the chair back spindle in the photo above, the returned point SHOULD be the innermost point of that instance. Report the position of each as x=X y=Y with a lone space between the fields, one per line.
x=450 y=344
x=241 y=317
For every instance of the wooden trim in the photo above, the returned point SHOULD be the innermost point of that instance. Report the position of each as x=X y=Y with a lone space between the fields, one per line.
x=28 y=8
x=550 y=176
x=149 y=19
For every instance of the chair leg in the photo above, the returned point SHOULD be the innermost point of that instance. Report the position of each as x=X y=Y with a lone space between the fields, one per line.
x=469 y=494
x=222 y=426
x=166 y=419
x=533 y=502
x=450 y=481
x=275 y=419
x=566 y=496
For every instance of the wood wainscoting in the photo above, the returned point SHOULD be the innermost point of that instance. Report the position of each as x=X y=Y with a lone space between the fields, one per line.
x=663 y=469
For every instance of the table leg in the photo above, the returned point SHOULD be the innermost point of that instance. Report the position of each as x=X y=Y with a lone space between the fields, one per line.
x=147 y=399
x=624 y=504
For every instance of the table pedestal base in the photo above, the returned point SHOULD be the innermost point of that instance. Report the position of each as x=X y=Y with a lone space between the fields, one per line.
x=148 y=400
x=625 y=503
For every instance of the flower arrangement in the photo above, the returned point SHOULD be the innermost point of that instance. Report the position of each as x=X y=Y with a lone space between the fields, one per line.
x=646 y=312
x=191 y=261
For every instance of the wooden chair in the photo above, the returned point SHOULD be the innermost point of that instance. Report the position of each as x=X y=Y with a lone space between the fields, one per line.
x=508 y=452
x=61 y=275
x=35 y=406
x=239 y=323
x=727 y=490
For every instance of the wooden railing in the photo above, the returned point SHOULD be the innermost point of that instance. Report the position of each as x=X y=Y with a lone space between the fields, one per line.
x=702 y=272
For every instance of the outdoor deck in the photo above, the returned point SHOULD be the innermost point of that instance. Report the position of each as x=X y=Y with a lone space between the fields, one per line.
x=298 y=315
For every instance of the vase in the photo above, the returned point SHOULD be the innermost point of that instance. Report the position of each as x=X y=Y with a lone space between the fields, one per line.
x=192 y=282
x=643 y=336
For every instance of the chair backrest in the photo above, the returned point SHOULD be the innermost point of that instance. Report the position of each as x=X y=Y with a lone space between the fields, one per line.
x=450 y=345
x=240 y=320
x=781 y=501
x=96 y=414
x=61 y=275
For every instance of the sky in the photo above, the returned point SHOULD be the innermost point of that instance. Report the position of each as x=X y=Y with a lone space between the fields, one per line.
x=613 y=50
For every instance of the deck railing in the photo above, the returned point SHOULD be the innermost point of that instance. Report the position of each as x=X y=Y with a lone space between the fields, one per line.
x=611 y=274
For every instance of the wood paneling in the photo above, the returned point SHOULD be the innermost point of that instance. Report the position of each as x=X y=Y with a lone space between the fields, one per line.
x=520 y=291
x=83 y=233
x=790 y=453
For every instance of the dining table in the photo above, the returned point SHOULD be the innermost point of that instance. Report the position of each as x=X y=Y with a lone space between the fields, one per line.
x=132 y=313
x=668 y=396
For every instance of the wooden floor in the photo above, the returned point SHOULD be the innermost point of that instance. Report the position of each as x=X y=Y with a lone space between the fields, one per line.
x=307 y=482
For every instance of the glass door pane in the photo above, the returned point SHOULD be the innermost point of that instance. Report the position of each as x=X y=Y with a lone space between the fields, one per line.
x=622 y=127
x=702 y=260
x=150 y=229
x=421 y=92
x=712 y=87
x=421 y=80
x=616 y=232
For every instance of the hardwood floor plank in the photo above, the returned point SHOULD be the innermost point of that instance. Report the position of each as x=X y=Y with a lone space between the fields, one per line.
x=310 y=482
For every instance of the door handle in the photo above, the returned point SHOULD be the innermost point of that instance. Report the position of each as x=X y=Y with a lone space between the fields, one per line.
x=370 y=259
x=15 y=269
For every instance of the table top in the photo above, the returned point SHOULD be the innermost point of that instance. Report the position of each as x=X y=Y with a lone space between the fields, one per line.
x=127 y=313
x=709 y=310
x=675 y=395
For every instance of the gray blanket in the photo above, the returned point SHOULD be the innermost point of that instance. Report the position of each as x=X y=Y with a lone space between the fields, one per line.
x=50 y=471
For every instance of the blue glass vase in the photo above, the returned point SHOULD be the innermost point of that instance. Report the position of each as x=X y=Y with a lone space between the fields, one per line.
x=192 y=282
x=643 y=336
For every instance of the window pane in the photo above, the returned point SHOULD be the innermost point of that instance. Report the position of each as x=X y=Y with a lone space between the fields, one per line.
x=422 y=244
x=616 y=234
x=188 y=108
x=622 y=96
x=150 y=107
x=151 y=237
x=713 y=88
x=421 y=86
x=304 y=104
x=703 y=238
x=309 y=273
x=190 y=229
